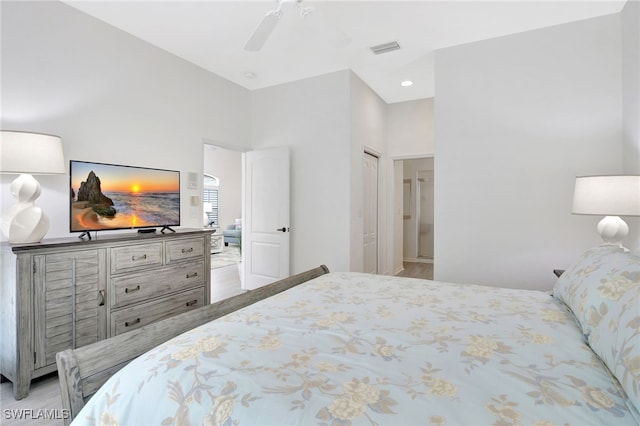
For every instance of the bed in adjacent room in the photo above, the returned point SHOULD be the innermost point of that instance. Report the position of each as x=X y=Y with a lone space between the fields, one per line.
x=351 y=348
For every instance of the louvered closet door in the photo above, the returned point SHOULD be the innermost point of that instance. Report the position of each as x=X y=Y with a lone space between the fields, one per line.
x=69 y=302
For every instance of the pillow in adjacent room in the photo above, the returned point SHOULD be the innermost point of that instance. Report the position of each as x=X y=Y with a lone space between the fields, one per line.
x=578 y=286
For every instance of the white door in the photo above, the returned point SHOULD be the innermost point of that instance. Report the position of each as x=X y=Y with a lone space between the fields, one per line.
x=370 y=214
x=265 y=228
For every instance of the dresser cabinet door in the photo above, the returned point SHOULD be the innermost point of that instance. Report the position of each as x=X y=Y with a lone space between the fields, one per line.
x=69 y=302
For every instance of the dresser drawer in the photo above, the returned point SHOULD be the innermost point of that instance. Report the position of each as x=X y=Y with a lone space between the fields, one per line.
x=136 y=256
x=140 y=315
x=141 y=286
x=184 y=249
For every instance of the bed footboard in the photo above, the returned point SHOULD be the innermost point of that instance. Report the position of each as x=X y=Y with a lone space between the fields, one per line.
x=82 y=371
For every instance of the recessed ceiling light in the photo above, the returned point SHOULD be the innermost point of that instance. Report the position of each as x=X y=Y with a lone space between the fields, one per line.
x=406 y=83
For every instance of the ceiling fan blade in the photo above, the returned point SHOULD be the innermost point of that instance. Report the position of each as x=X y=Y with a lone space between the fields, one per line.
x=263 y=31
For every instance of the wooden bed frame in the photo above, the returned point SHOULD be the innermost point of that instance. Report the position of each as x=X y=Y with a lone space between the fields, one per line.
x=82 y=371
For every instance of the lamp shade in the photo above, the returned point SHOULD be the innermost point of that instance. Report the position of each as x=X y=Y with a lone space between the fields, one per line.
x=607 y=195
x=33 y=153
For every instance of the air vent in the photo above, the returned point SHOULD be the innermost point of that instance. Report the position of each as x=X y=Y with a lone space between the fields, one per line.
x=385 y=48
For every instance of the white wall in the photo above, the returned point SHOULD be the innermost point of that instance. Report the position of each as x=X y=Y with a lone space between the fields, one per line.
x=311 y=117
x=327 y=122
x=226 y=165
x=410 y=129
x=111 y=97
x=516 y=119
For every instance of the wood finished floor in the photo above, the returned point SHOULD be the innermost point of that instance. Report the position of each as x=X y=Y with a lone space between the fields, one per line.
x=225 y=282
x=45 y=394
x=417 y=270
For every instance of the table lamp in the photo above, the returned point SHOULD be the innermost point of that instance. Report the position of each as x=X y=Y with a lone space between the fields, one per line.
x=609 y=196
x=25 y=153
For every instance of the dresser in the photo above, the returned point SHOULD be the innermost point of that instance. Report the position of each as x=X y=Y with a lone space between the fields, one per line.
x=67 y=293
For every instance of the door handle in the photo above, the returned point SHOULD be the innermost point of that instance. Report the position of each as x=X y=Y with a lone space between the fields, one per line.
x=283 y=229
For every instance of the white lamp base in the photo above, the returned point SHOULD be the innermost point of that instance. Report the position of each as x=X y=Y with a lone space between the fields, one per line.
x=613 y=230
x=25 y=222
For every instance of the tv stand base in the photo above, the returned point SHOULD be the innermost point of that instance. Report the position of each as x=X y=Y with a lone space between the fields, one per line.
x=167 y=228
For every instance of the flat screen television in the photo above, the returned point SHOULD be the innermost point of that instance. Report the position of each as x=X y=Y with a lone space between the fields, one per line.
x=112 y=196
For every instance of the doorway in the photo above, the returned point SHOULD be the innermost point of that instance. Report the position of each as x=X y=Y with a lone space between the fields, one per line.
x=253 y=210
x=221 y=212
x=415 y=199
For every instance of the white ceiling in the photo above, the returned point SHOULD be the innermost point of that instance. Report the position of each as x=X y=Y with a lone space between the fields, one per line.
x=212 y=34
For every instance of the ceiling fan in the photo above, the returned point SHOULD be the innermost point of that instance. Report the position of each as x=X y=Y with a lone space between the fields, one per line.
x=271 y=19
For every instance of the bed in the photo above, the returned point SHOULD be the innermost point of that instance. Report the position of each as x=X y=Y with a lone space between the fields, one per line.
x=351 y=348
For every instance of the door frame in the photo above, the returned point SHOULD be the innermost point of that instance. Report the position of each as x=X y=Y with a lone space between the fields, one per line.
x=392 y=208
x=242 y=151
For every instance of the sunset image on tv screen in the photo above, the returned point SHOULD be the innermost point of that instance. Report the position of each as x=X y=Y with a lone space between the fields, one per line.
x=107 y=196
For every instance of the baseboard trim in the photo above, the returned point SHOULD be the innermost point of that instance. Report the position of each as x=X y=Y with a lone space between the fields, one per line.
x=417 y=260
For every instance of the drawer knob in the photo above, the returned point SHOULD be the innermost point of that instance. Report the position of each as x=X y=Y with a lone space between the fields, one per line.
x=192 y=275
x=134 y=258
x=193 y=302
x=131 y=290
x=129 y=323
x=189 y=250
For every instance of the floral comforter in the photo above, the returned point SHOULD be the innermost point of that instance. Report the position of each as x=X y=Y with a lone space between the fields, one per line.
x=349 y=348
